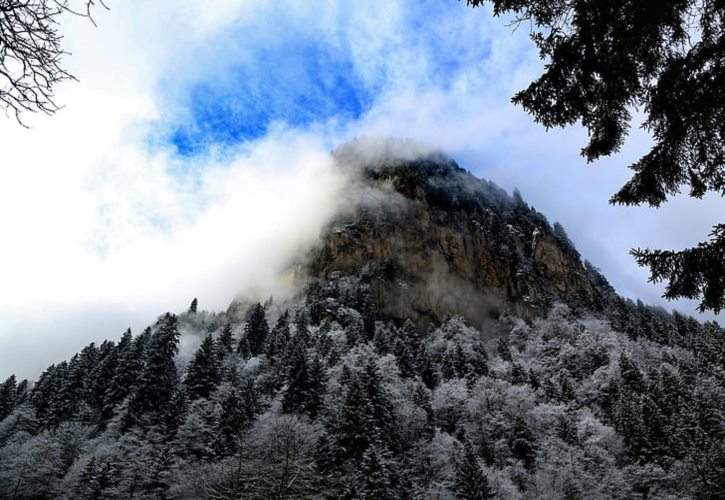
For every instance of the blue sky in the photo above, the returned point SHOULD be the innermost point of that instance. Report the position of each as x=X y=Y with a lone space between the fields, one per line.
x=302 y=72
x=192 y=157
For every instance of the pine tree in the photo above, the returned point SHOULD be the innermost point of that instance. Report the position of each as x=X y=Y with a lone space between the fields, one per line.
x=366 y=412
x=232 y=423
x=130 y=354
x=405 y=348
x=278 y=339
x=203 y=374
x=523 y=444
x=460 y=361
x=448 y=365
x=630 y=423
x=69 y=400
x=302 y=332
x=425 y=368
x=21 y=392
x=562 y=238
x=422 y=399
x=50 y=398
x=236 y=416
x=192 y=307
x=566 y=429
x=256 y=330
x=197 y=431
x=250 y=401
x=97 y=477
x=100 y=378
x=632 y=378
x=225 y=342
x=158 y=381
x=566 y=388
x=383 y=339
x=243 y=348
x=8 y=396
x=305 y=386
x=470 y=481
x=376 y=477
x=518 y=374
x=503 y=349
x=479 y=361
x=43 y=393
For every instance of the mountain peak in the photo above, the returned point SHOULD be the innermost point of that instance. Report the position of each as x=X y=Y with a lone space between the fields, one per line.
x=430 y=239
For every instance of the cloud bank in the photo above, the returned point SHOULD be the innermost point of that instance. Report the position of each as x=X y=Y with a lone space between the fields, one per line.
x=192 y=158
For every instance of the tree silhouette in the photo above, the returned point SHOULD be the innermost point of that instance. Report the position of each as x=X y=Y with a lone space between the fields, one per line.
x=608 y=57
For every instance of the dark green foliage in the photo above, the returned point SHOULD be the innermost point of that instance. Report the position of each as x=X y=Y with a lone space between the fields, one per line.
x=232 y=423
x=129 y=354
x=96 y=478
x=279 y=338
x=607 y=57
x=632 y=378
x=479 y=362
x=256 y=330
x=566 y=388
x=305 y=385
x=425 y=368
x=243 y=348
x=405 y=348
x=503 y=349
x=422 y=399
x=522 y=443
x=302 y=332
x=562 y=238
x=203 y=373
x=158 y=381
x=566 y=429
x=238 y=411
x=44 y=390
x=8 y=396
x=192 y=307
x=692 y=273
x=470 y=482
x=69 y=399
x=100 y=378
x=21 y=393
x=376 y=476
x=518 y=375
x=366 y=413
x=225 y=342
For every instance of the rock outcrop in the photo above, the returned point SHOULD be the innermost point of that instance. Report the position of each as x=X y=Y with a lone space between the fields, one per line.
x=431 y=239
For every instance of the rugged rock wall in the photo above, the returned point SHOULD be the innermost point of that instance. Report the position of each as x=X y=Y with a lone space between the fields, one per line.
x=431 y=239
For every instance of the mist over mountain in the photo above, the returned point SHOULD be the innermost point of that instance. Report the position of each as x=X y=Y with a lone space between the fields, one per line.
x=442 y=339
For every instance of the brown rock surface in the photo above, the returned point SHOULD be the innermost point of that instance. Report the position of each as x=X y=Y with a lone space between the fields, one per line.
x=424 y=257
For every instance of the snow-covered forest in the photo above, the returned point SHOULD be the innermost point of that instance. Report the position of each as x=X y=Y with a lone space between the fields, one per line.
x=315 y=398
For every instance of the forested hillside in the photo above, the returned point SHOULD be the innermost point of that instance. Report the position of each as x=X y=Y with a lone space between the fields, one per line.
x=275 y=407
x=563 y=390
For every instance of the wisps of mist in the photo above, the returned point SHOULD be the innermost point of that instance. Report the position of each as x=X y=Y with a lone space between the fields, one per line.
x=247 y=217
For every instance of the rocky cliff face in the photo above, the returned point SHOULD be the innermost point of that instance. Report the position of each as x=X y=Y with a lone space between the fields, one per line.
x=430 y=239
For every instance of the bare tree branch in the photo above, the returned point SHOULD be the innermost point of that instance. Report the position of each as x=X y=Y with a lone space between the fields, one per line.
x=31 y=53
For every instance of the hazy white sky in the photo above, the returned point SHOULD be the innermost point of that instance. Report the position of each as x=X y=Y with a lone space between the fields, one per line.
x=192 y=157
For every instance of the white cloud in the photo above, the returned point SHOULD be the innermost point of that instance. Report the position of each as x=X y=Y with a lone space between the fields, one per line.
x=101 y=232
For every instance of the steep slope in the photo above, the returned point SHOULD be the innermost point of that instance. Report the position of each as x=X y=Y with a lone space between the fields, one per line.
x=431 y=239
x=334 y=393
